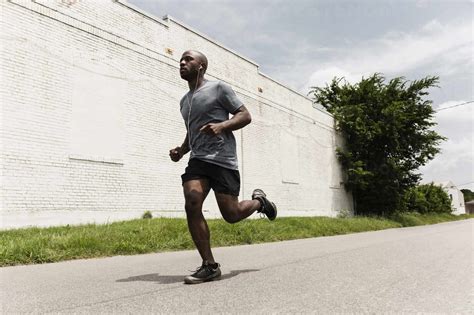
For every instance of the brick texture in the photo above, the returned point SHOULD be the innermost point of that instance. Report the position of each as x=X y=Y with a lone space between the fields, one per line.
x=288 y=150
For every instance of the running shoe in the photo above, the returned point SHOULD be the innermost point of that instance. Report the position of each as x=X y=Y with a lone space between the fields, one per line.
x=267 y=207
x=204 y=273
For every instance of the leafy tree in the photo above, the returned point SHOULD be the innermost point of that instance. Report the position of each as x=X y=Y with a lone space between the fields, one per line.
x=468 y=195
x=427 y=198
x=387 y=128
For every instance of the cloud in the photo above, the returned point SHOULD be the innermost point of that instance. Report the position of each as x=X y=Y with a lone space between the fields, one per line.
x=461 y=117
x=446 y=48
x=456 y=160
x=321 y=77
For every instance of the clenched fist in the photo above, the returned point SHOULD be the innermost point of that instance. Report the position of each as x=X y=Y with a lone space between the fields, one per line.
x=176 y=154
x=212 y=129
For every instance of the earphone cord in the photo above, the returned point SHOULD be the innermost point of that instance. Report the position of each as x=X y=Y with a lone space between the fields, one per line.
x=189 y=112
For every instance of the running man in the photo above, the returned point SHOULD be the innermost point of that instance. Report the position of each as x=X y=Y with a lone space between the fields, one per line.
x=213 y=159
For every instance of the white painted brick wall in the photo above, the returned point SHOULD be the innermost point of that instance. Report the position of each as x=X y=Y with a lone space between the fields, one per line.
x=46 y=43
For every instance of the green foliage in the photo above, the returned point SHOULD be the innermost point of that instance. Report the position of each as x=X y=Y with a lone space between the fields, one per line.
x=415 y=219
x=344 y=213
x=147 y=215
x=387 y=128
x=468 y=195
x=427 y=198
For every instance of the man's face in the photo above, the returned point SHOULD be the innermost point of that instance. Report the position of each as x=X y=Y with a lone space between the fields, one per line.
x=189 y=65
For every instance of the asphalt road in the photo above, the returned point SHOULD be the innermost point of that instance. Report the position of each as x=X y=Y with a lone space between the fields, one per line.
x=423 y=269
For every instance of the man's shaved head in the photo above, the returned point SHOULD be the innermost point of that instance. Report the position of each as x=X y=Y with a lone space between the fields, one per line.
x=199 y=55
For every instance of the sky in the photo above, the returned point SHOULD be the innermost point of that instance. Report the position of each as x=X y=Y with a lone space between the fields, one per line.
x=305 y=43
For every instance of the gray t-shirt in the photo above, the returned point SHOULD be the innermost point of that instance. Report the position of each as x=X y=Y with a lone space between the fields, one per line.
x=212 y=103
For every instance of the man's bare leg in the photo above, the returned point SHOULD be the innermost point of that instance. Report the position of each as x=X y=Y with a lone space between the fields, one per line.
x=195 y=192
x=234 y=211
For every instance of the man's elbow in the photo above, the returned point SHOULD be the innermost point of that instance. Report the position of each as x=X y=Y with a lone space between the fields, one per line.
x=248 y=118
x=243 y=116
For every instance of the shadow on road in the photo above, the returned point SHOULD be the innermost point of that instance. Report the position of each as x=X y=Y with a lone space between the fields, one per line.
x=168 y=279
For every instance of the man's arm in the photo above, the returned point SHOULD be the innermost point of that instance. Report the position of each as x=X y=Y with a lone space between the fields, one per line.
x=240 y=119
x=177 y=153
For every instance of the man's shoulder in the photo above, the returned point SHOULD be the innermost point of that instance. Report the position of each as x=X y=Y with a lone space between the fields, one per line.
x=222 y=86
x=218 y=83
x=213 y=84
x=182 y=99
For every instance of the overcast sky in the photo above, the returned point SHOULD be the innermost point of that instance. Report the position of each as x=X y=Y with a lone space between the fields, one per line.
x=305 y=43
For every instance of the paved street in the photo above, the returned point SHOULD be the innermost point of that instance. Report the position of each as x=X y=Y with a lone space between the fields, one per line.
x=421 y=269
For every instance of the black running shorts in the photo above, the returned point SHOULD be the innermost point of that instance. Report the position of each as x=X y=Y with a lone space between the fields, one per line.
x=222 y=180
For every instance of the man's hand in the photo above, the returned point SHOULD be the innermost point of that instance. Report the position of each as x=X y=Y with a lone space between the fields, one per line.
x=212 y=129
x=176 y=154
x=240 y=119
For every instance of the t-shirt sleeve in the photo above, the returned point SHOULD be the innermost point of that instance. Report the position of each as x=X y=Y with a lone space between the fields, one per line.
x=228 y=99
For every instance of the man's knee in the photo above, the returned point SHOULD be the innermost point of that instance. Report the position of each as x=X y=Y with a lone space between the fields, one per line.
x=193 y=201
x=231 y=219
x=230 y=215
x=229 y=207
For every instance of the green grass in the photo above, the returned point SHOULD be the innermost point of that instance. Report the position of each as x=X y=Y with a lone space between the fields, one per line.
x=415 y=219
x=42 y=245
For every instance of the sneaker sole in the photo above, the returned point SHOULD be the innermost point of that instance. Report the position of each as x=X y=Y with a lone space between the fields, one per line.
x=189 y=280
x=276 y=212
x=264 y=200
x=258 y=192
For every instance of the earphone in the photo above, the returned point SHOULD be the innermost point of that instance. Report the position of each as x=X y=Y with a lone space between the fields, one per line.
x=190 y=103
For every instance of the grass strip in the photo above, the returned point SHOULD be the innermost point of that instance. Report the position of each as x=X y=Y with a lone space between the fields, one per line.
x=53 y=244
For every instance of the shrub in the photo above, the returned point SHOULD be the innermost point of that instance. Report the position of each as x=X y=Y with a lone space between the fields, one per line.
x=344 y=213
x=427 y=198
x=147 y=215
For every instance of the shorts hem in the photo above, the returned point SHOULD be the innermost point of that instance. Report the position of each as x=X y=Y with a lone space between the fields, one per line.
x=187 y=177
x=226 y=192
